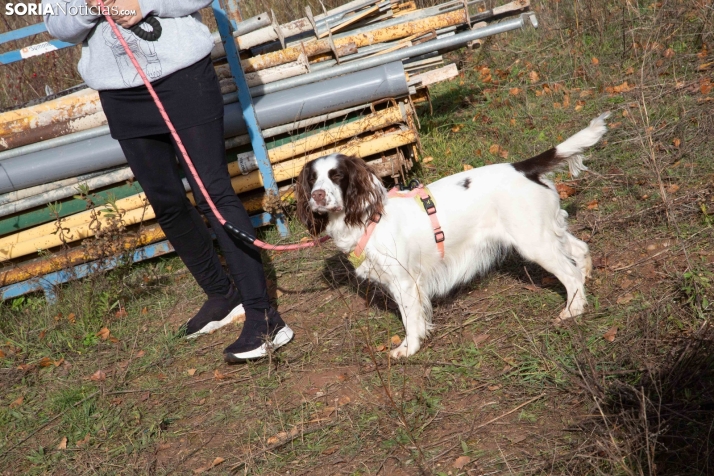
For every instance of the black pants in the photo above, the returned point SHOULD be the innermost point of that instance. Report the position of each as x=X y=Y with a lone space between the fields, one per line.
x=153 y=161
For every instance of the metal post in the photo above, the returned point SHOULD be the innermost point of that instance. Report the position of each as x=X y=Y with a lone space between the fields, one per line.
x=246 y=102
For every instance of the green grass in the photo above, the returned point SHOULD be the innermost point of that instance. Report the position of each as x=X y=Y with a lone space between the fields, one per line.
x=522 y=400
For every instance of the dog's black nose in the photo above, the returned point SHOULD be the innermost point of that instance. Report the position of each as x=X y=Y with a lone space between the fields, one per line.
x=319 y=197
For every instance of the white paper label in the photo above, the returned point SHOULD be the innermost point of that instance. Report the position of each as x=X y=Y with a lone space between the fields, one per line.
x=38 y=49
x=247 y=163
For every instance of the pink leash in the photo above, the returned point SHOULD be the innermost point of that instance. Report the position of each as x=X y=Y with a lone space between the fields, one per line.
x=227 y=225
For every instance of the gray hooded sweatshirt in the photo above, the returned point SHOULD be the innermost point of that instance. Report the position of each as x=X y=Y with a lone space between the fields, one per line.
x=104 y=63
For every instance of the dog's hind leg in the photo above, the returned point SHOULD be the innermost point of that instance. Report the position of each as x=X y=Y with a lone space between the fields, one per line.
x=553 y=257
x=580 y=252
x=415 y=308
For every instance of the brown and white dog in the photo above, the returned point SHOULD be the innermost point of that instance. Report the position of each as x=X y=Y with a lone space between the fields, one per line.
x=483 y=213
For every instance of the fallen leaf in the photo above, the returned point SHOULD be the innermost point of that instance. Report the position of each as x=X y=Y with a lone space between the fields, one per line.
x=610 y=334
x=668 y=53
x=26 y=367
x=566 y=101
x=592 y=205
x=673 y=188
x=457 y=128
x=121 y=313
x=218 y=375
x=115 y=401
x=705 y=86
x=59 y=362
x=271 y=441
x=42 y=335
x=191 y=372
x=585 y=93
x=380 y=348
x=625 y=299
x=493 y=388
x=72 y=318
x=676 y=142
x=62 y=444
x=595 y=61
x=98 y=376
x=468 y=167
x=460 y=462
x=480 y=339
x=140 y=354
x=103 y=333
x=534 y=77
x=622 y=88
x=427 y=159
x=17 y=402
x=564 y=191
x=396 y=340
x=45 y=362
x=344 y=400
x=83 y=441
x=705 y=66
x=145 y=311
x=330 y=450
x=503 y=153
x=514 y=91
x=494 y=149
x=556 y=105
x=630 y=70
x=2 y=354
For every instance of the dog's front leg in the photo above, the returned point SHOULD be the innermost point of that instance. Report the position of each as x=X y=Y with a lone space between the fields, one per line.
x=413 y=306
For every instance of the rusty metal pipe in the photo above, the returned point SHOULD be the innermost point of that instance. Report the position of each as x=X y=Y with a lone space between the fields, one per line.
x=379 y=35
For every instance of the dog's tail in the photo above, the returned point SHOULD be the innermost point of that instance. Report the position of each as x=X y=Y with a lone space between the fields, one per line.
x=566 y=152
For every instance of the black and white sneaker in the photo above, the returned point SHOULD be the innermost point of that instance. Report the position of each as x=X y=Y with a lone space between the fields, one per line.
x=216 y=312
x=259 y=336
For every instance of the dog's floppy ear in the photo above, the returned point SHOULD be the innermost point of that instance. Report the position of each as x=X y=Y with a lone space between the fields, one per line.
x=314 y=222
x=363 y=195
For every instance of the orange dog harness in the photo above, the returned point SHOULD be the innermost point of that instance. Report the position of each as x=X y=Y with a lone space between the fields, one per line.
x=423 y=197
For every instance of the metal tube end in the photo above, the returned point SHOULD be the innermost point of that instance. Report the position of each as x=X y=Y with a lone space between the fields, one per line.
x=531 y=17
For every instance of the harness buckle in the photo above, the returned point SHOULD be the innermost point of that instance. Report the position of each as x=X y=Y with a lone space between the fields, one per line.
x=439 y=236
x=429 y=206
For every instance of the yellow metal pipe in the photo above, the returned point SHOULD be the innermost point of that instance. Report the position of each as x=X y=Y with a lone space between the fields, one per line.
x=129 y=203
x=75 y=256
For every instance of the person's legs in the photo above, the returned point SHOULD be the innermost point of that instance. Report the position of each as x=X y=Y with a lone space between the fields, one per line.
x=153 y=161
x=205 y=146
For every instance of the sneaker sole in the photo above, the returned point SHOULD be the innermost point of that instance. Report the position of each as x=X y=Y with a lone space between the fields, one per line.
x=282 y=337
x=213 y=326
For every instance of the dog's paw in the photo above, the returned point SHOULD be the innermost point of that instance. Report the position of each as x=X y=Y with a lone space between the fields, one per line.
x=400 y=352
x=404 y=351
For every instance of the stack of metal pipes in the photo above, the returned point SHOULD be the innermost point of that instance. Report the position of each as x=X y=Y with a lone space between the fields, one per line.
x=345 y=80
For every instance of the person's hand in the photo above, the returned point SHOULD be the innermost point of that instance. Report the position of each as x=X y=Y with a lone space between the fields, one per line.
x=127 y=21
